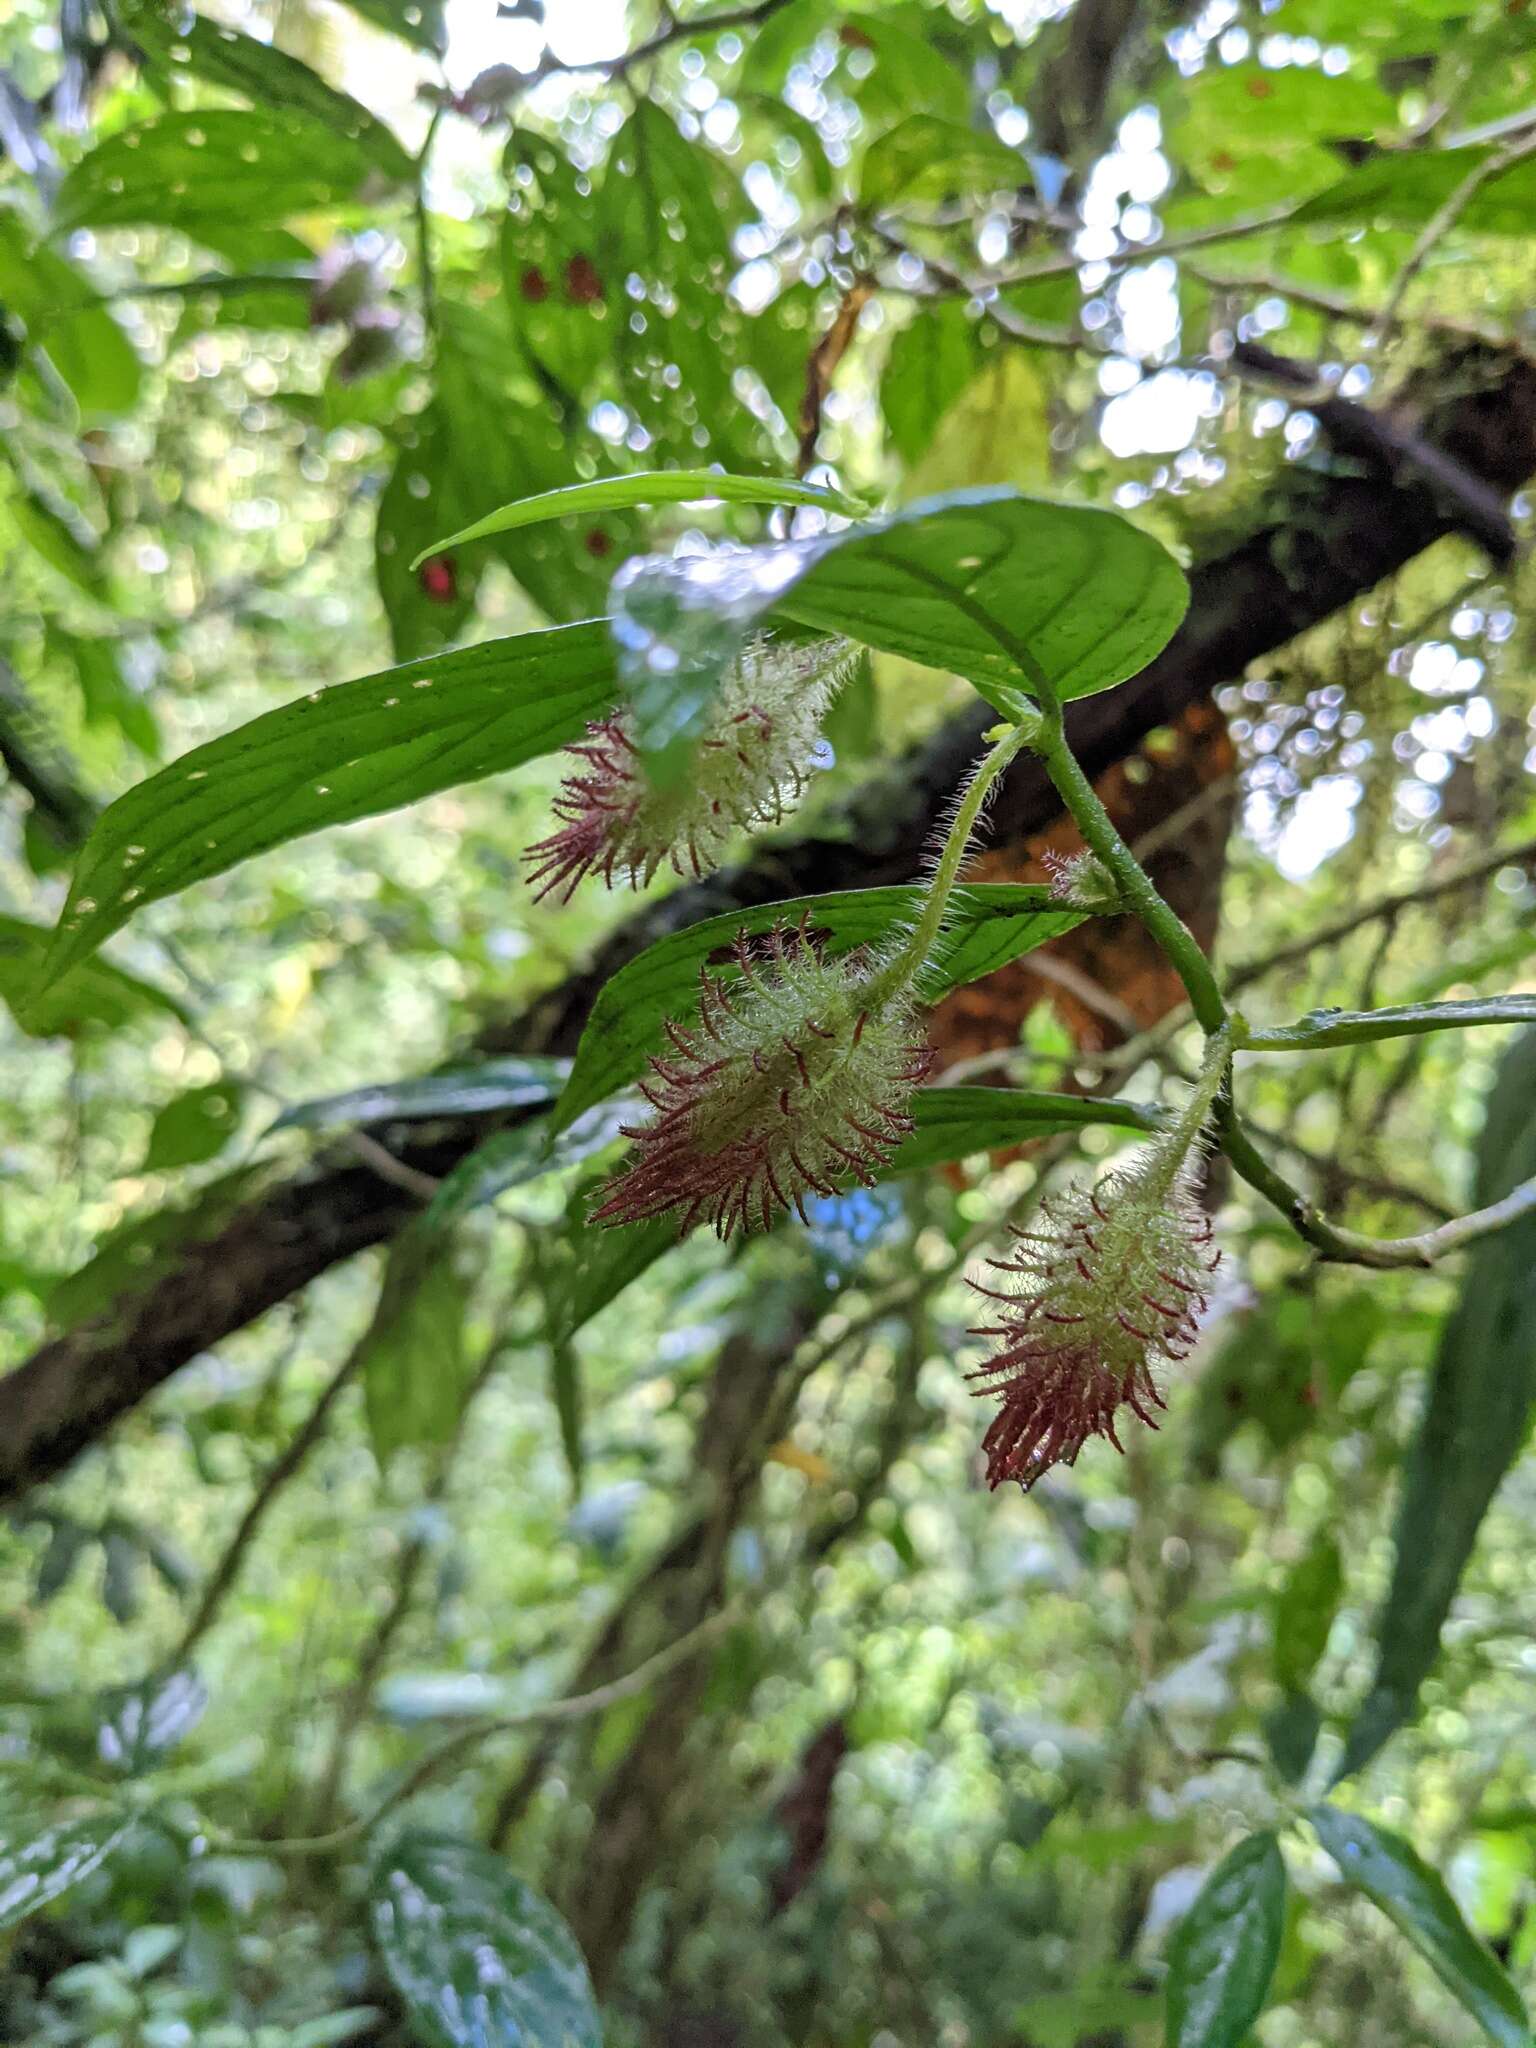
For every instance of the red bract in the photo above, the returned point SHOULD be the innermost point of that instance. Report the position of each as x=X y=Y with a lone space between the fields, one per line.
x=795 y=1078
x=1112 y=1283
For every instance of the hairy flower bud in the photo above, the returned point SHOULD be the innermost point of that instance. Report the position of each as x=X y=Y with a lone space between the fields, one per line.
x=1108 y=1284
x=1082 y=882
x=751 y=766
x=795 y=1077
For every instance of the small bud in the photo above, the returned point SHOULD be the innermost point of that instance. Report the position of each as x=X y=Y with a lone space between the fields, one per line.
x=1110 y=1283
x=751 y=766
x=1082 y=882
x=796 y=1076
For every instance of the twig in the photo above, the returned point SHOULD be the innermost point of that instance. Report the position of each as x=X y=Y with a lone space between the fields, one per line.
x=1333 y=307
x=502 y=83
x=1342 y=1247
x=1442 y=221
x=1520 y=854
x=1323 y=1030
x=575 y=1707
x=821 y=367
x=277 y=1476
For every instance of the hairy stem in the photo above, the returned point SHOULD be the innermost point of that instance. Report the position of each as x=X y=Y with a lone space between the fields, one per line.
x=913 y=957
x=1136 y=886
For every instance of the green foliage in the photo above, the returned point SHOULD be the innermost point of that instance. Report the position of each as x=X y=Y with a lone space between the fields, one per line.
x=1474 y=1424
x=1224 y=1954
x=1395 y=1878
x=480 y=1960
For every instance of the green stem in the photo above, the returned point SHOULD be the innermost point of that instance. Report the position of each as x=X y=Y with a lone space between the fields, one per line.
x=1136 y=886
x=913 y=957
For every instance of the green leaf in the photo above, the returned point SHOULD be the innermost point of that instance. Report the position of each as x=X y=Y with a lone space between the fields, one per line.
x=931 y=361
x=989 y=926
x=647 y=487
x=65 y=317
x=1291 y=1729
x=527 y=1152
x=479 y=1959
x=40 y=1869
x=348 y=752
x=1474 y=1423
x=1013 y=593
x=1223 y=1956
x=93 y=993
x=925 y=159
x=414 y=21
x=1407 y=188
x=59 y=541
x=998 y=431
x=1304 y=1611
x=954 y=1123
x=1323 y=1028
x=416 y=1366
x=191 y=45
x=217 y=166
x=519 y=1082
x=1395 y=1878
x=194 y=1127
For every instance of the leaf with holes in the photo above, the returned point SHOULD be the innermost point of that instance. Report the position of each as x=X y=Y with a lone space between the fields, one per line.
x=1222 y=1959
x=1395 y=1878
x=479 y=1959
x=989 y=925
x=347 y=752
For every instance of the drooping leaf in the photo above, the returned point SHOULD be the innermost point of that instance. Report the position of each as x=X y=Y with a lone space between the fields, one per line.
x=1393 y=1876
x=95 y=992
x=417 y=1363
x=141 y=1724
x=41 y=1864
x=1013 y=593
x=219 y=166
x=518 y=1082
x=646 y=487
x=341 y=753
x=192 y=45
x=479 y=1959
x=1223 y=1956
x=989 y=926
x=1475 y=1419
x=196 y=1126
